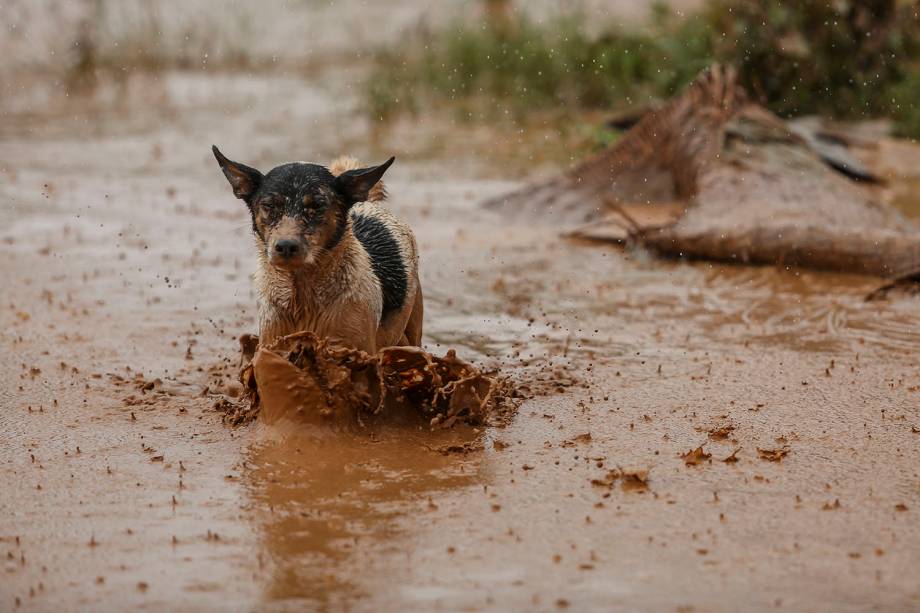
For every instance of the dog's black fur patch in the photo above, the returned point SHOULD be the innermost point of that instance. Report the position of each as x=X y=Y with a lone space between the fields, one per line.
x=386 y=259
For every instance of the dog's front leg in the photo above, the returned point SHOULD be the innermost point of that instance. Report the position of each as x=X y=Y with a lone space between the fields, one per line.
x=357 y=328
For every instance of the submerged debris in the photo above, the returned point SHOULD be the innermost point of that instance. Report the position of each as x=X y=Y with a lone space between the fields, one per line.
x=307 y=379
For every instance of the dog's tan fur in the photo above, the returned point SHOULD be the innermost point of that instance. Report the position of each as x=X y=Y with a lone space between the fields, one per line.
x=338 y=296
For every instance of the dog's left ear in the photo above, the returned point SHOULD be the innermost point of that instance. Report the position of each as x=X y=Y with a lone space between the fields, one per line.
x=356 y=184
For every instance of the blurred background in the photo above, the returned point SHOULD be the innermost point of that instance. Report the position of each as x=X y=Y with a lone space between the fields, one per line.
x=555 y=67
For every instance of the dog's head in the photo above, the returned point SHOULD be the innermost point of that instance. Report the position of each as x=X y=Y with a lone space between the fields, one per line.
x=299 y=211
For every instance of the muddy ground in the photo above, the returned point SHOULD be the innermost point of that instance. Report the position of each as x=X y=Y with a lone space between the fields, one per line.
x=125 y=272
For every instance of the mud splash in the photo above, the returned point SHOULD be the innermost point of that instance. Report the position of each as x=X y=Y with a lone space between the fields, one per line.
x=305 y=379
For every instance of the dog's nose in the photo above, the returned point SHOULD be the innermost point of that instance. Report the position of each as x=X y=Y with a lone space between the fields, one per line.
x=287 y=248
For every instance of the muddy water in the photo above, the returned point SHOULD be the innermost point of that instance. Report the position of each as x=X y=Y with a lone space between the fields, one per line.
x=326 y=500
x=125 y=266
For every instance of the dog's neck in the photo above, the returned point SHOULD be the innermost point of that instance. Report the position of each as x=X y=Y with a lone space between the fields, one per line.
x=287 y=298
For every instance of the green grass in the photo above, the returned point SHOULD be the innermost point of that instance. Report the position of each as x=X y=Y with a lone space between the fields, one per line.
x=905 y=106
x=832 y=58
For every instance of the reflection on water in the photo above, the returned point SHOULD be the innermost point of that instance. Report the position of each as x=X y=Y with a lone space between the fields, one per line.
x=812 y=311
x=624 y=305
x=705 y=306
x=322 y=496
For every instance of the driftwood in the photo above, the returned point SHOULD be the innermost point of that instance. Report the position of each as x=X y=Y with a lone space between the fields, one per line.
x=712 y=175
x=794 y=245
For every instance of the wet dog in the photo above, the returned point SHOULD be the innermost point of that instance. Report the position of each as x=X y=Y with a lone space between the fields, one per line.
x=332 y=259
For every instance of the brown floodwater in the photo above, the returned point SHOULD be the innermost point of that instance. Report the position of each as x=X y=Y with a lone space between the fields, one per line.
x=125 y=267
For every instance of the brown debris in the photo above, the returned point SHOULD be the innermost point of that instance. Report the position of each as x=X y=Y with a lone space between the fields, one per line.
x=633 y=479
x=695 y=456
x=733 y=457
x=607 y=480
x=773 y=455
x=464 y=449
x=721 y=433
x=577 y=440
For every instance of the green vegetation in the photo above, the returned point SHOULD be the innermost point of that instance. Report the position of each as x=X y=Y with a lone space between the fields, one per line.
x=843 y=58
x=905 y=106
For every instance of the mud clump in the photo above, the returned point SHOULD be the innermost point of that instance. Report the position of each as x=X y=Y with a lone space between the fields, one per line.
x=632 y=479
x=305 y=379
x=773 y=455
x=696 y=456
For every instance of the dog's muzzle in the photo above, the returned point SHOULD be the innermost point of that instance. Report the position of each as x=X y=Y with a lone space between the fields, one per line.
x=287 y=253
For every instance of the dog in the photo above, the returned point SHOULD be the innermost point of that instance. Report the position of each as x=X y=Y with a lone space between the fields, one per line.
x=332 y=260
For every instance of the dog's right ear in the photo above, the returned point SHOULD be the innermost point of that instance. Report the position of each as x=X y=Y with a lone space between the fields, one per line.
x=355 y=185
x=244 y=179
